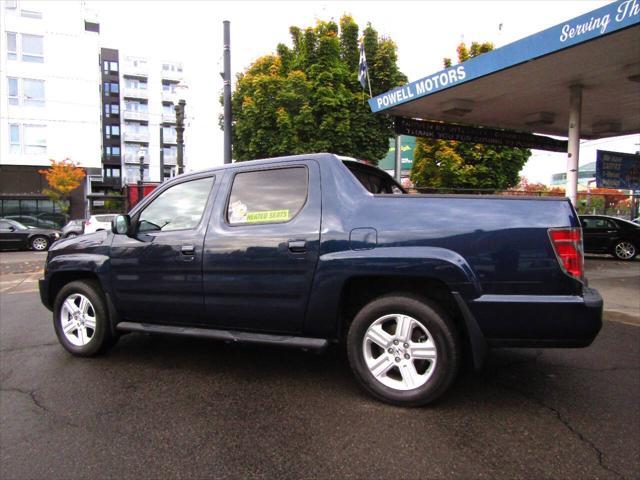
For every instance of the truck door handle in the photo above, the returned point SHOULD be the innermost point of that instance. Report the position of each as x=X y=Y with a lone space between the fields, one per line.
x=188 y=250
x=297 y=246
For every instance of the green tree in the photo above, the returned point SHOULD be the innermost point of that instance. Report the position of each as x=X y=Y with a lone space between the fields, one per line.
x=307 y=98
x=452 y=164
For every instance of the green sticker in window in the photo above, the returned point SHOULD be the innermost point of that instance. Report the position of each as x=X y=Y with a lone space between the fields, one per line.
x=268 y=216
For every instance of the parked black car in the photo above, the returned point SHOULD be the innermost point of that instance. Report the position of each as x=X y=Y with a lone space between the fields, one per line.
x=604 y=234
x=73 y=228
x=14 y=235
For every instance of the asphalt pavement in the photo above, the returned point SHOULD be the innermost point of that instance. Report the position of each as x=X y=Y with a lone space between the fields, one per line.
x=168 y=407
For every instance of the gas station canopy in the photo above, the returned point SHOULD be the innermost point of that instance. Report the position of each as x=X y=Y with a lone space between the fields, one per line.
x=579 y=79
x=525 y=85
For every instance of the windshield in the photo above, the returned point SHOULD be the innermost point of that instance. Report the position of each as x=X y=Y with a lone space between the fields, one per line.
x=373 y=179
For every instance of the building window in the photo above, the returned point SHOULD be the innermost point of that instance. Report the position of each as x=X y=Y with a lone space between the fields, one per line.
x=13 y=91
x=33 y=92
x=111 y=110
x=169 y=171
x=110 y=66
x=14 y=138
x=11 y=4
x=12 y=46
x=136 y=128
x=111 y=88
x=35 y=139
x=133 y=174
x=32 y=48
x=133 y=106
x=112 y=131
x=136 y=83
x=169 y=87
x=112 y=172
x=112 y=151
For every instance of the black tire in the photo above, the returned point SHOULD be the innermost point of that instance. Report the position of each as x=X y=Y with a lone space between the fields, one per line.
x=442 y=331
x=39 y=243
x=102 y=338
x=625 y=250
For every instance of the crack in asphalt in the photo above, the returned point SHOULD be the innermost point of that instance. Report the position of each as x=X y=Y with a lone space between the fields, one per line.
x=31 y=394
x=600 y=455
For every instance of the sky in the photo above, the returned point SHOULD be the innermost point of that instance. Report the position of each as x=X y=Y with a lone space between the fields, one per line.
x=424 y=32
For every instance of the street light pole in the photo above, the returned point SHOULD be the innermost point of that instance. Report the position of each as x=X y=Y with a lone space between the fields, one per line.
x=180 y=133
x=141 y=179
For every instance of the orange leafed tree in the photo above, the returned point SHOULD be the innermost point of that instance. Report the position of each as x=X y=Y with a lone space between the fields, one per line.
x=63 y=177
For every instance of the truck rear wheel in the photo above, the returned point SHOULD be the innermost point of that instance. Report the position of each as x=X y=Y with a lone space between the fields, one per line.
x=403 y=350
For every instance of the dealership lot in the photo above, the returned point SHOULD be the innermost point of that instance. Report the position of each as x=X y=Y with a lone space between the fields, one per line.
x=175 y=407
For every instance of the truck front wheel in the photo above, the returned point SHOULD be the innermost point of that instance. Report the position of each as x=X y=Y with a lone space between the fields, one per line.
x=403 y=350
x=80 y=319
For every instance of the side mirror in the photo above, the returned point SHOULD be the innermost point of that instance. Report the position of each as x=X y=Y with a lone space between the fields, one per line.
x=121 y=225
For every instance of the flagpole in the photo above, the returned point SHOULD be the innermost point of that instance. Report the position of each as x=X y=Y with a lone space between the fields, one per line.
x=369 y=80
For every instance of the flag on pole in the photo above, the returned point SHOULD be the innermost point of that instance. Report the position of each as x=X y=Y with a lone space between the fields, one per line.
x=363 y=70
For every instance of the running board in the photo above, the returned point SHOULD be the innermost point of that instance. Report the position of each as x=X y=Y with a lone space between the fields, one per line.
x=227 y=335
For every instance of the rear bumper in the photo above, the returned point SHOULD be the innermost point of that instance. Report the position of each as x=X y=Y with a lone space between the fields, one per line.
x=539 y=320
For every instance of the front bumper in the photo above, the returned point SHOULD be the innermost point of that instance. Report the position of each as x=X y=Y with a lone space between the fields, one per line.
x=43 y=286
x=539 y=320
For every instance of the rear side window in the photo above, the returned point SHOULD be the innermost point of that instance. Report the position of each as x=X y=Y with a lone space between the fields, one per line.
x=267 y=196
x=177 y=208
x=104 y=218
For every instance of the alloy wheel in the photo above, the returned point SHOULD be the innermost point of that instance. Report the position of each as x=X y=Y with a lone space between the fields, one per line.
x=625 y=250
x=40 y=244
x=399 y=352
x=78 y=319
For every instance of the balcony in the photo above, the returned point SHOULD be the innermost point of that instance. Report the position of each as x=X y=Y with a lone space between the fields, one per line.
x=113 y=182
x=133 y=115
x=170 y=159
x=136 y=93
x=168 y=117
x=136 y=69
x=169 y=96
x=134 y=158
x=136 y=137
x=172 y=75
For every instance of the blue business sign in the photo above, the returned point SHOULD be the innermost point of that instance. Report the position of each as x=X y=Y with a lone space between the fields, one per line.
x=617 y=170
x=600 y=22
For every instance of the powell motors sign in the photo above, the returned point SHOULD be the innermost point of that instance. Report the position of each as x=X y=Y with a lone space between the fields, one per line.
x=605 y=20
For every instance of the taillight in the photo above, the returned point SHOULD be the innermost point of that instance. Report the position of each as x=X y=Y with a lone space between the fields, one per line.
x=567 y=243
x=87 y=223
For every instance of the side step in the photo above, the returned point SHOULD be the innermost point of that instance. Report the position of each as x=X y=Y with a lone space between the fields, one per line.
x=227 y=335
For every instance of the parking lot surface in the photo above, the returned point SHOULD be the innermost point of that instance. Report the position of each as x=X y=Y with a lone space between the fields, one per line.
x=166 y=407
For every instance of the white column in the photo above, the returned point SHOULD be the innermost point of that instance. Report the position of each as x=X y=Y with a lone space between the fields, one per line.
x=573 y=154
x=399 y=158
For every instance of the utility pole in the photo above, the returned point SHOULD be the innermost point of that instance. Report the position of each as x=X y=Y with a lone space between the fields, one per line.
x=141 y=179
x=161 y=154
x=226 y=77
x=180 y=133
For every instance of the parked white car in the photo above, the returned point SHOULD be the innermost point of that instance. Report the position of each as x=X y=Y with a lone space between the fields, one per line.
x=95 y=223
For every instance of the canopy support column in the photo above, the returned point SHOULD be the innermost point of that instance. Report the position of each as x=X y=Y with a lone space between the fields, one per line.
x=573 y=153
x=398 y=172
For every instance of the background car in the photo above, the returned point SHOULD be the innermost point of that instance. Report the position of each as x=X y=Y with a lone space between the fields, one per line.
x=73 y=228
x=32 y=221
x=14 y=235
x=95 y=223
x=615 y=236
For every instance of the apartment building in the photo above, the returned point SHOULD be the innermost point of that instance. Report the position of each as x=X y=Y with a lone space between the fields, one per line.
x=139 y=95
x=63 y=96
x=50 y=102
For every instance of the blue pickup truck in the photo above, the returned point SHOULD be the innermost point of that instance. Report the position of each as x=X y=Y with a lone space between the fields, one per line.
x=308 y=250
